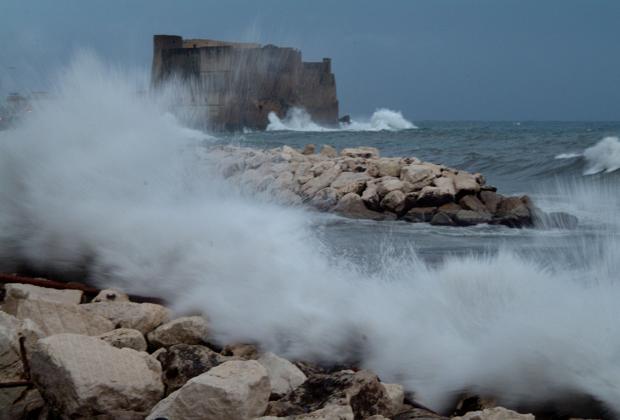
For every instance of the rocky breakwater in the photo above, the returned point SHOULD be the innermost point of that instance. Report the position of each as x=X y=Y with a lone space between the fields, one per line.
x=63 y=358
x=358 y=183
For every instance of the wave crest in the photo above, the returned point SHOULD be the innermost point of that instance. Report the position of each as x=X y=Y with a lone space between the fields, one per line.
x=604 y=156
x=297 y=119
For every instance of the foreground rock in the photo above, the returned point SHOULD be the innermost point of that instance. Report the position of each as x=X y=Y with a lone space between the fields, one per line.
x=15 y=293
x=144 y=317
x=82 y=376
x=283 y=375
x=125 y=338
x=235 y=390
x=360 y=184
x=187 y=330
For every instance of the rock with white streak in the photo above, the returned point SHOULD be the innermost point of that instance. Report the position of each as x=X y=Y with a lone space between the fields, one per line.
x=84 y=377
x=283 y=375
x=184 y=330
x=125 y=337
x=235 y=390
x=15 y=292
x=143 y=317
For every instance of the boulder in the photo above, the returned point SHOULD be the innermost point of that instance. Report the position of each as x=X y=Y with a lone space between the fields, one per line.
x=185 y=330
x=352 y=206
x=125 y=337
x=396 y=395
x=21 y=403
x=56 y=318
x=349 y=164
x=111 y=295
x=235 y=390
x=394 y=201
x=182 y=362
x=348 y=182
x=322 y=166
x=491 y=200
x=417 y=173
x=514 y=212
x=433 y=196
x=361 y=390
x=325 y=199
x=495 y=413
x=143 y=317
x=446 y=185
x=442 y=219
x=84 y=377
x=451 y=209
x=360 y=152
x=371 y=197
x=241 y=350
x=420 y=214
x=466 y=183
x=388 y=167
x=471 y=202
x=14 y=292
x=283 y=375
x=330 y=412
x=11 y=368
x=290 y=154
x=328 y=151
x=388 y=184
x=324 y=180
x=469 y=217
x=418 y=414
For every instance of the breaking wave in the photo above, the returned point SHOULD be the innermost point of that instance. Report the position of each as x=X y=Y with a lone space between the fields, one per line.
x=604 y=156
x=106 y=180
x=297 y=119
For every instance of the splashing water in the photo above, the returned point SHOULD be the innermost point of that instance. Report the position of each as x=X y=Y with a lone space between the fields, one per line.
x=298 y=119
x=102 y=177
x=603 y=156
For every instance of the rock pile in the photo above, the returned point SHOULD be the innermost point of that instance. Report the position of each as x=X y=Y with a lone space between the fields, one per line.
x=358 y=183
x=124 y=360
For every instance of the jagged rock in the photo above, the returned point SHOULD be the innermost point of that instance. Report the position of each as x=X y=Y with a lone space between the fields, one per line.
x=309 y=149
x=360 y=152
x=371 y=197
x=325 y=199
x=349 y=164
x=328 y=151
x=322 y=166
x=352 y=206
x=446 y=186
x=241 y=350
x=442 y=219
x=235 y=390
x=125 y=337
x=451 y=209
x=185 y=330
x=14 y=292
x=514 y=212
x=56 y=318
x=182 y=362
x=469 y=217
x=83 y=377
x=143 y=317
x=394 y=201
x=348 y=182
x=495 y=413
x=433 y=196
x=361 y=390
x=386 y=185
x=420 y=214
x=283 y=375
x=396 y=395
x=491 y=200
x=324 y=180
x=111 y=295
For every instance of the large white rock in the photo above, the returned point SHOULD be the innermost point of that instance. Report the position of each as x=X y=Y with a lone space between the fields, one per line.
x=125 y=337
x=83 y=376
x=235 y=390
x=495 y=413
x=14 y=292
x=283 y=375
x=185 y=330
x=396 y=394
x=416 y=173
x=324 y=180
x=144 y=317
x=348 y=182
x=57 y=318
x=394 y=201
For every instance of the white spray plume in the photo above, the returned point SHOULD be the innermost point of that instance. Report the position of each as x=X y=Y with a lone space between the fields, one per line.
x=103 y=177
x=297 y=119
x=603 y=156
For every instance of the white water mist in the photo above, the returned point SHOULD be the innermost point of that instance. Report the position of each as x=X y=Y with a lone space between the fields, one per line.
x=105 y=177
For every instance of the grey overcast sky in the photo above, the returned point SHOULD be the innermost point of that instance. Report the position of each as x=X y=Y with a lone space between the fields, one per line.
x=431 y=59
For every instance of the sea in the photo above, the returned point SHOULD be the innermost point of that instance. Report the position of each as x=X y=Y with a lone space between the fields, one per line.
x=115 y=187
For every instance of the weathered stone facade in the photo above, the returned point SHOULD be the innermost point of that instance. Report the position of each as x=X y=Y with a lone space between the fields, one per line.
x=236 y=85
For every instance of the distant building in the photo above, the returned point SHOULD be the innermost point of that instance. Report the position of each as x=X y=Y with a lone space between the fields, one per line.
x=236 y=85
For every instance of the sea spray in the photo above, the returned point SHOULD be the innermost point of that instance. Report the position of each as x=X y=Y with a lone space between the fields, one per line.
x=104 y=179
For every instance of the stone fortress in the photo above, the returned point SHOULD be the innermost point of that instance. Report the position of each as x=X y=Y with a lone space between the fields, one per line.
x=234 y=85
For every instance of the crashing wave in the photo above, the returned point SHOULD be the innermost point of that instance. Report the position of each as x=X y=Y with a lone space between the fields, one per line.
x=604 y=156
x=297 y=119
